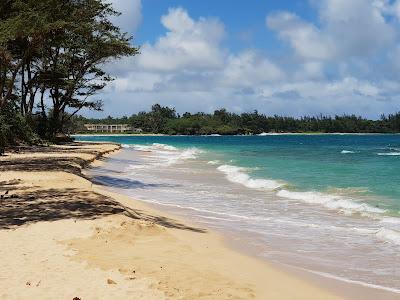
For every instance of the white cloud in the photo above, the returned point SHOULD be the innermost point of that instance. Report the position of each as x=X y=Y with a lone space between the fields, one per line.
x=310 y=70
x=249 y=69
x=137 y=82
x=188 y=44
x=348 y=29
x=307 y=40
x=131 y=14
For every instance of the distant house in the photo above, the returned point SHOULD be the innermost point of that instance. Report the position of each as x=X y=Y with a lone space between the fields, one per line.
x=111 y=128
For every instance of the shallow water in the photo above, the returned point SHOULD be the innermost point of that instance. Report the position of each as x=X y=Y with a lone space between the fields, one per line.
x=328 y=203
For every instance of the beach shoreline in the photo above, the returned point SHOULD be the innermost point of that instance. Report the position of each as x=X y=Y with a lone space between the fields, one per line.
x=213 y=135
x=335 y=286
x=59 y=228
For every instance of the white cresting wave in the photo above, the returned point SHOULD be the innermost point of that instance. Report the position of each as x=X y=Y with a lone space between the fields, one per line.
x=154 y=147
x=238 y=175
x=389 y=154
x=330 y=201
x=347 y=152
x=334 y=202
x=163 y=155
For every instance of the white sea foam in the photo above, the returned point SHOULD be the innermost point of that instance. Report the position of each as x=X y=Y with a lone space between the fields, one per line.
x=387 y=234
x=330 y=201
x=173 y=157
x=263 y=134
x=370 y=285
x=347 y=152
x=390 y=220
x=213 y=162
x=190 y=153
x=213 y=212
x=384 y=234
x=164 y=147
x=154 y=147
x=164 y=155
x=363 y=231
x=389 y=153
x=239 y=175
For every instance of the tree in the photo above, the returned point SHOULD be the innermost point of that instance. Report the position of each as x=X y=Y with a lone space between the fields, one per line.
x=20 y=34
x=76 y=55
x=56 y=50
x=158 y=117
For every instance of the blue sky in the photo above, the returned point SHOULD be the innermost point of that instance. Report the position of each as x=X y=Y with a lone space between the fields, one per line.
x=244 y=20
x=283 y=57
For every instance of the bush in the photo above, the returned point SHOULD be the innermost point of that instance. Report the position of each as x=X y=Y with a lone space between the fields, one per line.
x=14 y=129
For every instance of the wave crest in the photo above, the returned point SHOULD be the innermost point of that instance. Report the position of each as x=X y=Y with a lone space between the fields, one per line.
x=164 y=155
x=154 y=147
x=389 y=154
x=330 y=201
x=347 y=152
x=239 y=175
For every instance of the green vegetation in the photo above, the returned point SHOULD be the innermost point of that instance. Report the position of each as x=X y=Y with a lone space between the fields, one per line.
x=52 y=55
x=165 y=120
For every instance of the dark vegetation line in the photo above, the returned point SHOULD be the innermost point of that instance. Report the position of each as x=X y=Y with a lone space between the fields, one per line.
x=165 y=120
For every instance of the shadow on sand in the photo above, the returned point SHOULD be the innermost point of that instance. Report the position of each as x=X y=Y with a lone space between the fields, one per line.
x=60 y=163
x=53 y=205
x=126 y=183
x=32 y=164
x=19 y=205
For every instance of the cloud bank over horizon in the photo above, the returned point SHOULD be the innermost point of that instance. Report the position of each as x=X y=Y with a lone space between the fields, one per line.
x=345 y=60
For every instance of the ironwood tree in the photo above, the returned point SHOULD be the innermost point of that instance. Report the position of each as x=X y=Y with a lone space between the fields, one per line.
x=53 y=56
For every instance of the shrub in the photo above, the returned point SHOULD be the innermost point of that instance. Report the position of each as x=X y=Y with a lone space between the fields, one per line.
x=14 y=129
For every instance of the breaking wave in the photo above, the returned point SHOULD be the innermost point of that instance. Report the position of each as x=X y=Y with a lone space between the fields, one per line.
x=213 y=162
x=330 y=201
x=239 y=175
x=347 y=152
x=164 y=155
x=389 y=153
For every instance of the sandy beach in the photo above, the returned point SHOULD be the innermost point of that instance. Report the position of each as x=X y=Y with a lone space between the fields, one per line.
x=64 y=237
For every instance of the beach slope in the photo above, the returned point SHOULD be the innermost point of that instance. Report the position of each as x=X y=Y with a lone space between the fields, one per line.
x=63 y=237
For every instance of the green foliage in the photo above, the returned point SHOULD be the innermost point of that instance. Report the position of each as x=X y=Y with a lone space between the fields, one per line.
x=165 y=120
x=14 y=128
x=54 y=52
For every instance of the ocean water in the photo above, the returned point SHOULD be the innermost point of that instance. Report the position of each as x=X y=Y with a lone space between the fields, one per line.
x=325 y=203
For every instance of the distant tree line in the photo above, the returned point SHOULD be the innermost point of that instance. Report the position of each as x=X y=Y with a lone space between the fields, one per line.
x=52 y=55
x=166 y=120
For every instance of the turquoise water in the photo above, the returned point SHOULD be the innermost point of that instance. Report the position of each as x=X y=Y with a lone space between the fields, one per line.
x=324 y=203
x=367 y=166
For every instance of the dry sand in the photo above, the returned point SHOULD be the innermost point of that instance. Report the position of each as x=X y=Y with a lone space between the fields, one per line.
x=63 y=237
